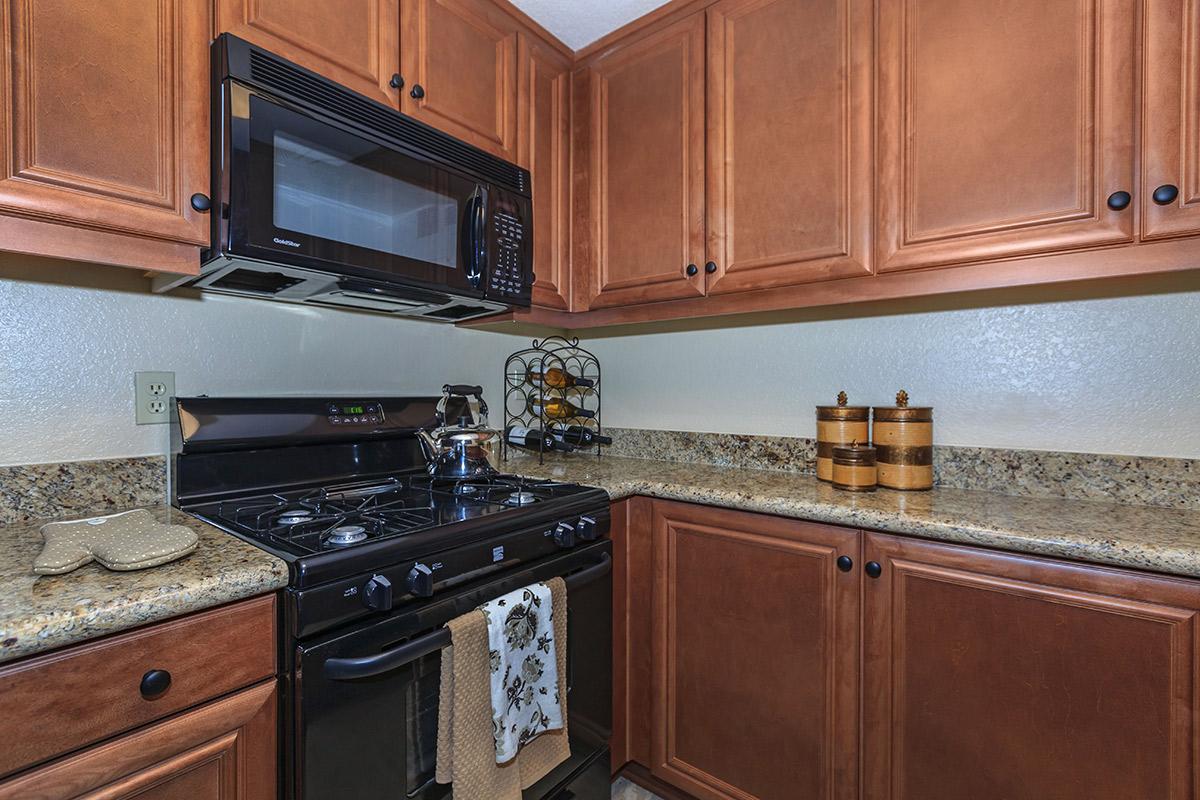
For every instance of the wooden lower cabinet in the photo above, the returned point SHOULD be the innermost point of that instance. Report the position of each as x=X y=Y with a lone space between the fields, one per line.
x=755 y=653
x=991 y=675
x=745 y=655
x=225 y=750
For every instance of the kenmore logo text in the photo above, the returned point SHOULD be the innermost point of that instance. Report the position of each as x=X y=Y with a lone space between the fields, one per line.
x=288 y=242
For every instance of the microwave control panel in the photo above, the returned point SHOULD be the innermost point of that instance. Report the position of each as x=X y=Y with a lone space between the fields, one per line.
x=510 y=243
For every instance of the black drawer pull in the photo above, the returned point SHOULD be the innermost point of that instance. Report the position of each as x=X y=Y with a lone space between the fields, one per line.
x=1119 y=201
x=200 y=202
x=1165 y=194
x=155 y=683
x=874 y=570
x=397 y=81
x=845 y=563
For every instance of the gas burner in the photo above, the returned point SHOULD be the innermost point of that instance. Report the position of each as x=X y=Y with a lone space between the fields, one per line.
x=521 y=498
x=295 y=517
x=346 y=534
x=466 y=488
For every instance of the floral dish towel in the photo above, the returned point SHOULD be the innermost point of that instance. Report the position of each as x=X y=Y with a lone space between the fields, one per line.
x=524 y=668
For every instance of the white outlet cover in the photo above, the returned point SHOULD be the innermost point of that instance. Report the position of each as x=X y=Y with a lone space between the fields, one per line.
x=151 y=393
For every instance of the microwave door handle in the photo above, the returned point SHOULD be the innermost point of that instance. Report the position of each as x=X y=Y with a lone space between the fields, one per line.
x=349 y=669
x=477 y=244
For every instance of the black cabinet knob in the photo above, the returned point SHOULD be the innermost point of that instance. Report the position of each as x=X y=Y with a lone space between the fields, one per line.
x=1165 y=194
x=873 y=569
x=845 y=563
x=397 y=81
x=200 y=202
x=710 y=267
x=1119 y=201
x=691 y=270
x=155 y=683
x=417 y=92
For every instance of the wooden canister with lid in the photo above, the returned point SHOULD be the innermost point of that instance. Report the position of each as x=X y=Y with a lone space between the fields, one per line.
x=854 y=467
x=839 y=425
x=903 y=439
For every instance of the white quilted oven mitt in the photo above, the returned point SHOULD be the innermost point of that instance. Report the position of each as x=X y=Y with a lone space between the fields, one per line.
x=125 y=541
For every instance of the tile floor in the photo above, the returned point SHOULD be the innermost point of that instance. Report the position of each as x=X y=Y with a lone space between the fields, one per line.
x=624 y=790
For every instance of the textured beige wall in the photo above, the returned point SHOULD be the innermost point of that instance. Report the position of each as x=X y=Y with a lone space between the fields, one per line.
x=1114 y=369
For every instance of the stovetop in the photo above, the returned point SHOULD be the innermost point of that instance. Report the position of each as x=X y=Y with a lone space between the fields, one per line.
x=342 y=501
x=340 y=517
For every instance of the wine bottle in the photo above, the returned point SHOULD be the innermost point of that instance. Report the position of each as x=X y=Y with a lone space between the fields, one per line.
x=556 y=408
x=579 y=436
x=556 y=378
x=534 y=439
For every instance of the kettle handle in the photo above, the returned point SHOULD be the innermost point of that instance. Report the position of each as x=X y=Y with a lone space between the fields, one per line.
x=465 y=390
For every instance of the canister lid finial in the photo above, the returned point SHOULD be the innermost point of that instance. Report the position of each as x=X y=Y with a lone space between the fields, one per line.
x=842 y=399
x=902 y=399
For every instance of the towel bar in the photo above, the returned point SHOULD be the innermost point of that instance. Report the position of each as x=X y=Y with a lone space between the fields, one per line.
x=347 y=669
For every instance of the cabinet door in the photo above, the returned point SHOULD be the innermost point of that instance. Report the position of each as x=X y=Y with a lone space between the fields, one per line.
x=1171 y=119
x=756 y=655
x=1004 y=128
x=789 y=142
x=105 y=115
x=646 y=164
x=992 y=675
x=545 y=136
x=460 y=61
x=221 y=751
x=353 y=42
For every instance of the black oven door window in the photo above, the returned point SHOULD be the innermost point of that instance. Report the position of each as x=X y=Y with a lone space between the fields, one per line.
x=319 y=194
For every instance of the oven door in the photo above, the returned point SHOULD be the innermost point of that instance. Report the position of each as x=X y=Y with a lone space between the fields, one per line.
x=307 y=192
x=376 y=736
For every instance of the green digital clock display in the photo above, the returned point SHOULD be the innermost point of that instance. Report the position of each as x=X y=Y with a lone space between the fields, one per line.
x=353 y=410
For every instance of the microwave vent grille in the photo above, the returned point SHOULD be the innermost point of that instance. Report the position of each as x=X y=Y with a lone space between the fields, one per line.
x=271 y=73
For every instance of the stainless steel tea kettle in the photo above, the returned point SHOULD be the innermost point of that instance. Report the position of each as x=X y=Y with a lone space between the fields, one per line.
x=465 y=449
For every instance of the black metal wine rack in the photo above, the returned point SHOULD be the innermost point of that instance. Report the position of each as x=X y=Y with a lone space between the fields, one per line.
x=551 y=352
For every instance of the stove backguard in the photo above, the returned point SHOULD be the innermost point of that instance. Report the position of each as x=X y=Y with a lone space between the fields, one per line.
x=229 y=447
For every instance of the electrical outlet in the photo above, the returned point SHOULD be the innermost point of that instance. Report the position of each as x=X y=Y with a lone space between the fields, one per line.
x=151 y=392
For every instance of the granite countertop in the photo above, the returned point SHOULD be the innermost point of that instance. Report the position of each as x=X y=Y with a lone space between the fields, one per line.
x=1143 y=537
x=42 y=612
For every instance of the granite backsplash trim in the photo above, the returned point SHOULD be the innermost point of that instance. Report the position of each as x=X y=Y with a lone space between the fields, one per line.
x=1136 y=480
x=51 y=491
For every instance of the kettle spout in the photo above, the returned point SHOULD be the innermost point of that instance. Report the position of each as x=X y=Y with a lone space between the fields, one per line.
x=428 y=445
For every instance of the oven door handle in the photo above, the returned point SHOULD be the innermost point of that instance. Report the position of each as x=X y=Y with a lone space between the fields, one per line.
x=349 y=669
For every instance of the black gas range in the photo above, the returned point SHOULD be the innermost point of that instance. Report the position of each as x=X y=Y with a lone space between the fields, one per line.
x=381 y=555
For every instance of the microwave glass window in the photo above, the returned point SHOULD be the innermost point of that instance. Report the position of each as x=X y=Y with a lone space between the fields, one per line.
x=368 y=198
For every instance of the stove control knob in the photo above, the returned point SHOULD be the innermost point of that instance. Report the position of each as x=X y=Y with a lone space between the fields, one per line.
x=420 y=581
x=587 y=528
x=564 y=535
x=378 y=594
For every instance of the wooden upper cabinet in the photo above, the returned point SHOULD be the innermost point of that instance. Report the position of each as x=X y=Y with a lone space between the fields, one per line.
x=992 y=675
x=105 y=118
x=1003 y=128
x=1171 y=119
x=789 y=141
x=544 y=133
x=460 y=68
x=353 y=42
x=645 y=143
x=756 y=635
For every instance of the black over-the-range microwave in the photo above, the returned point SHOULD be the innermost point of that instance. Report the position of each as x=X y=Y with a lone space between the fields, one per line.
x=323 y=196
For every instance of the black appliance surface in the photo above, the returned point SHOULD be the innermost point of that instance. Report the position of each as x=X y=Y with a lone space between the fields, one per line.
x=324 y=196
x=381 y=556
